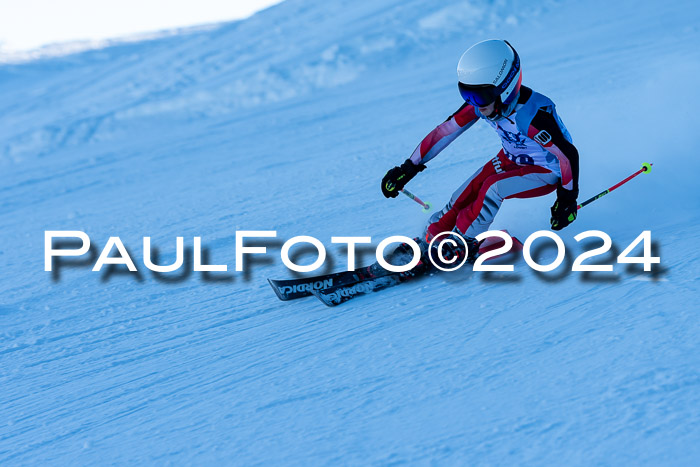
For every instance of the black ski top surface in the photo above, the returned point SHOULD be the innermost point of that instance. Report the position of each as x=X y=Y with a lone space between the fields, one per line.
x=290 y=289
x=333 y=296
x=339 y=287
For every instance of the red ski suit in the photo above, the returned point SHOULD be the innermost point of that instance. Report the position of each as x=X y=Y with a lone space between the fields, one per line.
x=537 y=156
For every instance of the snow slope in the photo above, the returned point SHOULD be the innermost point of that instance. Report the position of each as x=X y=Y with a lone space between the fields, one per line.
x=287 y=121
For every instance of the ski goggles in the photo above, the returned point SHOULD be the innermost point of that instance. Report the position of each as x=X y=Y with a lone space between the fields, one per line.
x=479 y=95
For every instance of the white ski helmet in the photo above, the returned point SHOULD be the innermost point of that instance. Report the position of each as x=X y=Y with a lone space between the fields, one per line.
x=489 y=71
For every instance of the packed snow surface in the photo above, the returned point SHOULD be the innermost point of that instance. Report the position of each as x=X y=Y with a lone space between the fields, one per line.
x=287 y=121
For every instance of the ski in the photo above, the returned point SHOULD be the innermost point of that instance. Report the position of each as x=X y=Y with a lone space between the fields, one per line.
x=291 y=289
x=337 y=294
x=333 y=296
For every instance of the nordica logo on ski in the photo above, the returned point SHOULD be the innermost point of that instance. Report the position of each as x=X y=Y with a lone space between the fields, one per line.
x=359 y=288
x=307 y=287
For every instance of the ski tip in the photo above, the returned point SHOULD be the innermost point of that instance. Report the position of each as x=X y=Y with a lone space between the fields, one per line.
x=274 y=286
x=517 y=244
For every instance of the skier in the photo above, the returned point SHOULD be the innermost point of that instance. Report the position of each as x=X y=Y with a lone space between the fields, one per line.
x=537 y=158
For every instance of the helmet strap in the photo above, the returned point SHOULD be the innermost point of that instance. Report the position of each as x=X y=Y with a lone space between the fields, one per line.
x=498 y=107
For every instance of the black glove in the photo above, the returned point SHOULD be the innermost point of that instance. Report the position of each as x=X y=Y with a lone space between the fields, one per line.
x=397 y=178
x=564 y=209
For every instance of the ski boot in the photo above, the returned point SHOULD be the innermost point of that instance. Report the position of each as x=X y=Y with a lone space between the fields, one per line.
x=403 y=254
x=453 y=252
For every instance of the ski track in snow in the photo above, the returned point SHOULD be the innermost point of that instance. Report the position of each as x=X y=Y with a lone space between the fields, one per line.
x=287 y=121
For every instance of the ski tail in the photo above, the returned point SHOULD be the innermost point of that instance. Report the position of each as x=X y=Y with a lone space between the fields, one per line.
x=492 y=243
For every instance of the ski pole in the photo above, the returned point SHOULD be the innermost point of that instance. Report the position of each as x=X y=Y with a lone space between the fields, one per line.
x=426 y=206
x=646 y=168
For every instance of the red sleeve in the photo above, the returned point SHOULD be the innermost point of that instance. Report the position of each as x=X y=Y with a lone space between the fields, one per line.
x=444 y=134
